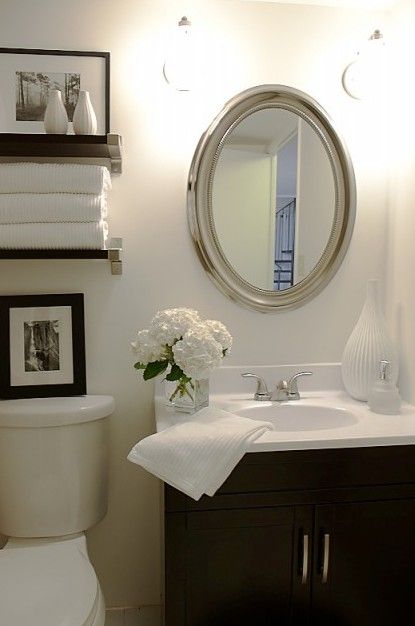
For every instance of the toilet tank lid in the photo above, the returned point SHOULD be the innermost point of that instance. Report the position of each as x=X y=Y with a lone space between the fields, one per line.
x=44 y=412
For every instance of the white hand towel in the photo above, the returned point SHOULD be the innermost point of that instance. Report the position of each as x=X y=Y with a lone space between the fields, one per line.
x=64 y=236
x=53 y=178
x=197 y=456
x=20 y=208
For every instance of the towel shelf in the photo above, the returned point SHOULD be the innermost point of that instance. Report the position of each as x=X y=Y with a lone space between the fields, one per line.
x=46 y=148
x=62 y=148
x=112 y=254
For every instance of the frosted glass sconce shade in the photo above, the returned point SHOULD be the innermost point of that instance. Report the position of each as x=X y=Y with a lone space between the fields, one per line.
x=180 y=65
x=361 y=76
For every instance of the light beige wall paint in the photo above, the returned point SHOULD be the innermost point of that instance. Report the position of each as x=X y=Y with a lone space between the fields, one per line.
x=401 y=259
x=241 y=201
x=315 y=200
x=248 y=43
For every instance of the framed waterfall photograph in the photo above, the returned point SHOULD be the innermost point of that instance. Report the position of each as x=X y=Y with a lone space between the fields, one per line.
x=28 y=76
x=42 y=345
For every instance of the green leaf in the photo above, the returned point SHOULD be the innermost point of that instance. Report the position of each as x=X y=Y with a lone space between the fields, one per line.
x=169 y=353
x=139 y=366
x=175 y=373
x=154 y=369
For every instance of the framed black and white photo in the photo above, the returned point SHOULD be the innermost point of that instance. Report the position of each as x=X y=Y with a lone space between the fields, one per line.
x=27 y=76
x=42 y=343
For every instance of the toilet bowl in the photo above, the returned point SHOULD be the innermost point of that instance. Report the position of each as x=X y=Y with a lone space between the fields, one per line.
x=49 y=584
x=53 y=487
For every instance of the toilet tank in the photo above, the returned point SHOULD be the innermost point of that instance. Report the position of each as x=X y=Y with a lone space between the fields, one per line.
x=53 y=465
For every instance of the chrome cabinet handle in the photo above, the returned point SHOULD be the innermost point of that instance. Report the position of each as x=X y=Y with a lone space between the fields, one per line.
x=326 y=556
x=304 y=568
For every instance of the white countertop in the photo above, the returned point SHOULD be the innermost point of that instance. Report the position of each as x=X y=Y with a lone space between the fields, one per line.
x=367 y=428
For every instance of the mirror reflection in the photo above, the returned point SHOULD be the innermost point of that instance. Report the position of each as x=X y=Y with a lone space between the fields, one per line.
x=273 y=199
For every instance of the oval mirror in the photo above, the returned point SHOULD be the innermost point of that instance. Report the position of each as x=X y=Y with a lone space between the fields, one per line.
x=271 y=198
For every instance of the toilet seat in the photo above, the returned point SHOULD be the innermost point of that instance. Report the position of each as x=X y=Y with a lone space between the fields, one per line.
x=50 y=584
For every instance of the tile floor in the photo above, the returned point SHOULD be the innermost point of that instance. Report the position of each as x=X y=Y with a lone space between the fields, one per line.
x=145 y=616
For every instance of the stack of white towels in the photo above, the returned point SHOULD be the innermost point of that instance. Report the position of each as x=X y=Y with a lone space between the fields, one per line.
x=53 y=206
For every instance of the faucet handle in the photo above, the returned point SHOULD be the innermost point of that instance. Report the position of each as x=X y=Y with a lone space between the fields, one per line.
x=292 y=383
x=262 y=392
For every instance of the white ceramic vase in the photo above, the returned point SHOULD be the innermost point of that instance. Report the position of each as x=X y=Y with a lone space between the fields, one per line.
x=56 y=118
x=368 y=344
x=84 y=118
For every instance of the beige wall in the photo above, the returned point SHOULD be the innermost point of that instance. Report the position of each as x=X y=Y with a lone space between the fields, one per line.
x=243 y=213
x=315 y=201
x=401 y=259
x=248 y=43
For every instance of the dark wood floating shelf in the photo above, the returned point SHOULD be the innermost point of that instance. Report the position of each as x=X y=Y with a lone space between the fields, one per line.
x=54 y=254
x=112 y=254
x=44 y=146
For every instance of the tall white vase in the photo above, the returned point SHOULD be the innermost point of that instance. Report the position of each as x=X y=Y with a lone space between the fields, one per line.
x=84 y=118
x=56 y=118
x=368 y=344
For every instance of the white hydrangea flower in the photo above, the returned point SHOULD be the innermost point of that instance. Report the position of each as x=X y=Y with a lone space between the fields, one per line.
x=198 y=353
x=146 y=348
x=169 y=325
x=220 y=333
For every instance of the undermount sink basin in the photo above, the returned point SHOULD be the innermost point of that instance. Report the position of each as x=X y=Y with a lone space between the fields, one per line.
x=290 y=417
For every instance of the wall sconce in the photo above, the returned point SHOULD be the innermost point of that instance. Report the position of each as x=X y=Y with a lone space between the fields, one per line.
x=179 y=68
x=361 y=76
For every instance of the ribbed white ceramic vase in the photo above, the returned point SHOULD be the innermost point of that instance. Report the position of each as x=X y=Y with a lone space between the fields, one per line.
x=56 y=118
x=84 y=118
x=368 y=344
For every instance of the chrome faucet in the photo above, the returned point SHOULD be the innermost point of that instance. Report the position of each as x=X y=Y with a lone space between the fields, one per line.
x=284 y=391
x=262 y=392
x=288 y=390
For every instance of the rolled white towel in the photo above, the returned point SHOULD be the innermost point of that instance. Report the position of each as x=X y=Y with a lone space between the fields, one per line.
x=53 y=178
x=63 y=236
x=20 y=208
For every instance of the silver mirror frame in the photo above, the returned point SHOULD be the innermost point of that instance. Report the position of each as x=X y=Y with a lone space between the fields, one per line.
x=199 y=198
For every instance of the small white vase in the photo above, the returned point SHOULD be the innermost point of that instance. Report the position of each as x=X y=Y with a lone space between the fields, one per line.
x=84 y=118
x=368 y=344
x=56 y=118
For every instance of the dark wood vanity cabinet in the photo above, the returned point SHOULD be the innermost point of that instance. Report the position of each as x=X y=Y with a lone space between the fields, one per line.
x=371 y=576
x=307 y=538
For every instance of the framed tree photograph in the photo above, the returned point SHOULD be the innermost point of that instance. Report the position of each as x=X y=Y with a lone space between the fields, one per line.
x=28 y=75
x=42 y=344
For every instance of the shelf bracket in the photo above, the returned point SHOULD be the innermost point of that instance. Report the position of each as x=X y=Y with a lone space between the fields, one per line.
x=114 y=255
x=114 y=144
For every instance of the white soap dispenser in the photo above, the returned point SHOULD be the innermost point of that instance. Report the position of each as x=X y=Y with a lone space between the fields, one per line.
x=384 y=396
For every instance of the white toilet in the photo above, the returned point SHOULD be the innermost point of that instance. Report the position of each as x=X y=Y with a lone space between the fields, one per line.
x=53 y=487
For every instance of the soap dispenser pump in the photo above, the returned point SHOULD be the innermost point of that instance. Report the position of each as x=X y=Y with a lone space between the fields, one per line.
x=384 y=396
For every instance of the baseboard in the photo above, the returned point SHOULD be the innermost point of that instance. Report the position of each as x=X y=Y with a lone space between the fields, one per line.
x=143 y=616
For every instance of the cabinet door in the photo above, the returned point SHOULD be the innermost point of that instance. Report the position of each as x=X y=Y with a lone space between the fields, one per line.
x=364 y=572
x=239 y=567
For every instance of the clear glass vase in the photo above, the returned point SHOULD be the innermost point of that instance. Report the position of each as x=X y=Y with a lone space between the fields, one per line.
x=187 y=398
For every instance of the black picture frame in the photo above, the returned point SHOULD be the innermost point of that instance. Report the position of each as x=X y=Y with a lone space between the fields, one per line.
x=71 y=53
x=78 y=385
